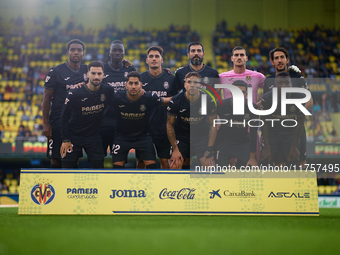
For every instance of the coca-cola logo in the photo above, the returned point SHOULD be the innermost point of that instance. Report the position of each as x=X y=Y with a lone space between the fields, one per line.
x=185 y=193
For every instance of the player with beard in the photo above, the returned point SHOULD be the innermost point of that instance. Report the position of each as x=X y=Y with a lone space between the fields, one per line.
x=80 y=119
x=159 y=82
x=58 y=82
x=133 y=123
x=188 y=130
x=115 y=71
x=279 y=58
x=196 y=55
x=281 y=142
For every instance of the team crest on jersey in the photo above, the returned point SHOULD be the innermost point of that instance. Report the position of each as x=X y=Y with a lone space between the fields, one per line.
x=102 y=97
x=248 y=78
x=293 y=108
x=206 y=80
x=142 y=108
x=166 y=85
x=125 y=74
x=47 y=78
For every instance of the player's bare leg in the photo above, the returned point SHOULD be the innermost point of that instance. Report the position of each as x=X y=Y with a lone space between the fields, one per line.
x=185 y=164
x=150 y=164
x=303 y=164
x=118 y=164
x=164 y=163
x=140 y=164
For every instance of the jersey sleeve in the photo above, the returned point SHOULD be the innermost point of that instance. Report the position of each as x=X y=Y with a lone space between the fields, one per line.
x=266 y=85
x=172 y=108
x=66 y=115
x=211 y=108
x=266 y=101
x=177 y=82
x=261 y=81
x=51 y=80
x=174 y=89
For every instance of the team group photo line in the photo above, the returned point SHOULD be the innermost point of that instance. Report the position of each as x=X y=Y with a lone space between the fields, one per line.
x=194 y=118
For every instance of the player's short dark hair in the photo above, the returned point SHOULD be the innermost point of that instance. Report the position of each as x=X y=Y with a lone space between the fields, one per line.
x=195 y=43
x=75 y=41
x=238 y=48
x=192 y=74
x=117 y=42
x=156 y=48
x=95 y=64
x=282 y=74
x=240 y=83
x=134 y=74
x=271 y=53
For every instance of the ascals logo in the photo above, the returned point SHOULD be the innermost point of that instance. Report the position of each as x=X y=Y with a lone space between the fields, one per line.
x=185 y=193
x=127 y=193
x=289 y=195
x=42 y=193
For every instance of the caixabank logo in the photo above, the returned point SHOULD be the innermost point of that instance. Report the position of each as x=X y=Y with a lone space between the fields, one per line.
x=232 y=194
x=43 y=193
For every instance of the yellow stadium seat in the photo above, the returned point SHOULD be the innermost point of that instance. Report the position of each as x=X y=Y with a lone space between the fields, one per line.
x=7 y=181
x=12 y=189
x=7 y=134
x=31 y=124
x=14 y=182
x=321 y=189
x=14 y=134
x=328 y=189
x=334 y=65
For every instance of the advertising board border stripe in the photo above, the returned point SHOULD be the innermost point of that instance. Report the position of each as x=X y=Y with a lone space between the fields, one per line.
x=97 y=172
x=192 y=212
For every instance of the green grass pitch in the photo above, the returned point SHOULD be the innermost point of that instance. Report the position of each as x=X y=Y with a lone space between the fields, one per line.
x=173 y=235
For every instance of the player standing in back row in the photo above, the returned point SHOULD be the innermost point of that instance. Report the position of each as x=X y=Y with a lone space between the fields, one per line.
x=115 y=76
x=160 y=83
x=280 y=59
x=196 y=55
x=58 y=82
